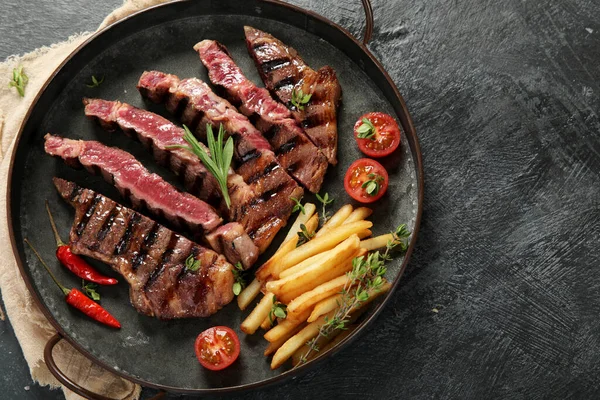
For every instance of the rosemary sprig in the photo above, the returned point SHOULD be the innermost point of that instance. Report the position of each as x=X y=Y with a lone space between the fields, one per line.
x=304 y=235
x=219 y=159
x=299 y=99
x=90 y=290
x=373 y=185
x=325 y=201
x=95 y=82
x=278 y=310
x=298 y=205
x=191 y=264
x=19 y=80
x=238 y=275
x=366 y=130
x=365 y=279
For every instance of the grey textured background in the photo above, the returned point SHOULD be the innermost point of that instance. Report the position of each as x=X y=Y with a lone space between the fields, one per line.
x=504 y=96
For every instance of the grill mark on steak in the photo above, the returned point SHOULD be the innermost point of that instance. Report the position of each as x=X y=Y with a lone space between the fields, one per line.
x=252 y=152
x=88 y=214
x=107 y=224
x=158 y=286
x=293 y=148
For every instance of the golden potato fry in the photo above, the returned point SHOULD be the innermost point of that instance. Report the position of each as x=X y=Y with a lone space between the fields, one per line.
x=359 y=214
x=300 y=266
x=266 y=324
x=325 y=306
x=257 y=316
x=265 y=272
x=336 y=220
x=248 y=294
x=309 y=299
x=377 y=242
x=326 y=242
x=364 y=234
x=284 y=327
x=323 y=343
x=273 y=346
x=295 y=342
x=309 y=210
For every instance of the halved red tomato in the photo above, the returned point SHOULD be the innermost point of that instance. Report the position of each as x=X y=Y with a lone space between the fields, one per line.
x=366 y=180
x=377 y=134
x=217 y=347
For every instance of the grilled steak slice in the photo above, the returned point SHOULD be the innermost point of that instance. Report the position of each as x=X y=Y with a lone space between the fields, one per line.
x=273 y=188
x=295 y=152
x=283 y=71
x=143 y=188
x=157 y=133
x=149 y=256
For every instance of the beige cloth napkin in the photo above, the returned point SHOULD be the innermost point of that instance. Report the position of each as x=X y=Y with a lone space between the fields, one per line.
x=30 y=326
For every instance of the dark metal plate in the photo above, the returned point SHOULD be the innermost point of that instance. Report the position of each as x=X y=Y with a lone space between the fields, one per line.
x=160 y=353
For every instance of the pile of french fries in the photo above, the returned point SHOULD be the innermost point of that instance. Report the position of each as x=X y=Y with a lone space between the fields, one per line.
x=309 y=279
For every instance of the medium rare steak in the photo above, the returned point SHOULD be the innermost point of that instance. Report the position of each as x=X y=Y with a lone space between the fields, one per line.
x=283 y=71
x=157 y=133
x=148 y=190
x=150 y=257
x=294 y=150
x=273 y=188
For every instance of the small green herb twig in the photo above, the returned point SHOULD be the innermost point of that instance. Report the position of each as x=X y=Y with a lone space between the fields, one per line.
x=366 y=130
x=95 y=82
x=19 y=80
x=90 y=290
x=218 y=161
x=191 y=264
x=325 y=200
x=373 y=185
x=304 y=235
x=300 y=99
x=278 y=310
x=238 y=275
x=298 y=205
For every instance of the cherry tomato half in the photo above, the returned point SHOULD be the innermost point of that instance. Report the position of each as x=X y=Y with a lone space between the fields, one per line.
x=366 y=180
x=217 y=347
x=377 y=134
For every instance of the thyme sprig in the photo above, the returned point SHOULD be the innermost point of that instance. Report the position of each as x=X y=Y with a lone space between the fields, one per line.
x=219 y=159
x=278 y=310
x=191 y=264
x=90 y=290
x=19 y=80
x=325 y=200
x=238 y=276
x=366 y=130
x=300 y=99
x=365 y=279
x=298 y=205
x=373 y=185
x=304 y=235
x=95 y=82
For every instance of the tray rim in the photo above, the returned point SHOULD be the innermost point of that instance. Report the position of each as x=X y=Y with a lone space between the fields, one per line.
x=286 y=374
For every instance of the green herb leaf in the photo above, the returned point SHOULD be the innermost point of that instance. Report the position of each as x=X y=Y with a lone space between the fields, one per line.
x=19 y=80
x=90 y=290
x=299 y=99
x=325 y=201
x=278 y=310
x=298 y=205
x=95 y=82
x=218 y=161
x=373 y=185
x=366 y=130
x=238 y=276
x=304 y=235
x=192 y=264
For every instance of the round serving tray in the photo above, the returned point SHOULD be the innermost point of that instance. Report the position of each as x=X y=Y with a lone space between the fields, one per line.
x=160 y=353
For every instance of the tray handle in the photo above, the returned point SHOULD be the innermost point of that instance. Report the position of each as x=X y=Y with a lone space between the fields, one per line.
x=369 y=21
x=65 y=380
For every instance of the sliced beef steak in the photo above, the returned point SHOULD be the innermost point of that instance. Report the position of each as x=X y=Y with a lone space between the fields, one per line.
x=148 y=190
x=272 y=187
x=283 y=71
x=294 y=150
x=150 y=257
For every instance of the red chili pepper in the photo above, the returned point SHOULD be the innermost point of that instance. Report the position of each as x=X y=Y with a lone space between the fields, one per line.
x=74 y=263
x=79 y=300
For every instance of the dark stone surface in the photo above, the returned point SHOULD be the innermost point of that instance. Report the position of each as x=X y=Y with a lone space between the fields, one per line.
x=504 y=96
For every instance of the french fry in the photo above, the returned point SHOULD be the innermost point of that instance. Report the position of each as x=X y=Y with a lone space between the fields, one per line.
x=377 y=242
x=300 y=266
x=266 y=324
x=309 y=210
x=295 y=342
x=273 y=346
x=336 y=220
x=284 y=327
x=324 y=306
x=260 y=312
x=248 y=294
x=265 y=272
x=288 y=288
x=364 y=234
x=308 y=299
x=326 y=242
x=359 y=214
